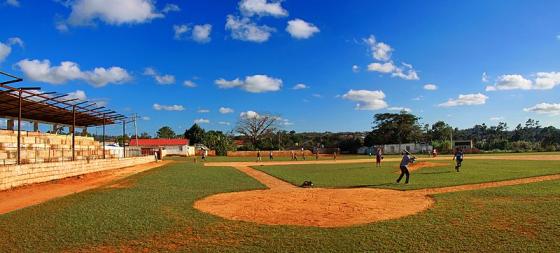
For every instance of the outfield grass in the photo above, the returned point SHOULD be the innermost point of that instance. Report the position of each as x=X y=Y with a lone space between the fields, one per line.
x=279 y=158
x=367 y=175
x=156 y=213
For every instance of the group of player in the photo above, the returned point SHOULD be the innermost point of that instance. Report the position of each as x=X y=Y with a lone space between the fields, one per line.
x=293 y=155
x=408 y=159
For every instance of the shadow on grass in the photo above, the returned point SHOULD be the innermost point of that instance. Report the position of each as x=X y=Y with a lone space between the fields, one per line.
x=369 y=185
x=436 y=172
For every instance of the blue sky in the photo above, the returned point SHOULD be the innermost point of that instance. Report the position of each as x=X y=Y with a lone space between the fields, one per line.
x=248 y=55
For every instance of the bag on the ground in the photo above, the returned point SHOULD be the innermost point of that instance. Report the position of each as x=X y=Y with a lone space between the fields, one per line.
x=307 y=184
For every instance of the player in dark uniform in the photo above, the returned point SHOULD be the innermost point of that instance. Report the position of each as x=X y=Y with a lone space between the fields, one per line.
x=458 y=157
x=378 y=157
x=407 y=159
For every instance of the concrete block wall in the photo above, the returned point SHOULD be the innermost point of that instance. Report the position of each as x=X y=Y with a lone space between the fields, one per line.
x=37 y=147
x=18 y=175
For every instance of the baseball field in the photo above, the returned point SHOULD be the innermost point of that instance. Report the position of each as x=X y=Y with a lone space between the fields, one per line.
x=496 y=203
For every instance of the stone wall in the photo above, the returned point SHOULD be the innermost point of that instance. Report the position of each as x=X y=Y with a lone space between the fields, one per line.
x=37 y=147
x=18 y=175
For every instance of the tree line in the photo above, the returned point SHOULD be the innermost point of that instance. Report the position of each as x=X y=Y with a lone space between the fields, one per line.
x=262 y=132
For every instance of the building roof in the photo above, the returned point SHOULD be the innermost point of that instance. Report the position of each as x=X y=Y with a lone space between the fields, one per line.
x=159 y=142
x=50 y=106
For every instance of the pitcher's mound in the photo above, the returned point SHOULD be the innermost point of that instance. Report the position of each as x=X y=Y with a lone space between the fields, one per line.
x=315 y=207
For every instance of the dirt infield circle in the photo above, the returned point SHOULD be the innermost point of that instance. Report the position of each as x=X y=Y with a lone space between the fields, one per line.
x=285 y=204
x=315 y=207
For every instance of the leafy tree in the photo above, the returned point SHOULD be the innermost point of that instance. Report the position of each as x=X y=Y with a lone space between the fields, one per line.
x=218 y=141
x=440 y=131
x=399 y=128
x=165 y=132
x=145 y=135
x=195 y=134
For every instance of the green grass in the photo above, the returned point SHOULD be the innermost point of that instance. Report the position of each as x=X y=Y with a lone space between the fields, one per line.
x=367 y=175
x=278 y=158
x=156 y=214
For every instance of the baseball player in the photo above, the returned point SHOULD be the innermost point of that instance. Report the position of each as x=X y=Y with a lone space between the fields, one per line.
x=406 y=160
x=458 y=157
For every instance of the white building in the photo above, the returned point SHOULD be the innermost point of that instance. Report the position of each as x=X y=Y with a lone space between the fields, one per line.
x=178 y=147
x=398 y=148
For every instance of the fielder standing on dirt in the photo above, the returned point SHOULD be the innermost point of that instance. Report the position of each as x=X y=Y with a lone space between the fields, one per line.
x=406 y=160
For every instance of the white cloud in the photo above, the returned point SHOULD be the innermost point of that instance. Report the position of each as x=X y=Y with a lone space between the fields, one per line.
x=100 y=102
x=300 y=29
x=543 y=81
x=317 y=95
x=225 y=110
x=418 y=98
x=14 y=3
x=253 y=84
x=511 y=82
x=170 y=8
x=165 y=79
x=201 y=33
x=497 y=118
x=380 y=51
x=249 y=115
x=80 y=95
x=160 y=79
x=484 y=77
x=468 y=99
x=246 y=30
x=198 y=33
x=387 y=67
x=406 y=109
x=300 y=86
x=224 y=123
x=430 y=86
x=355 y=68
x=145 y=118
x=85 y=12
x=284 y=122
x=558 y=37
x=15 y=41
x=201 y=121
x=180 y=31
x=42 y=71
x=190 y=84
x=6 y=49
x=203 y=111
x=383 y=52
x=367 y=99
x=406 y=72
x=262 y=8
x=61 y=26
x=545 y=108
x=547 y=80
x=159 y=107
x=100 y=77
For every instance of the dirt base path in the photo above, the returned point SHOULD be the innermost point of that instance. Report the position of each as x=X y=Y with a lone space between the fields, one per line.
x=285 y=204
x=34 y=194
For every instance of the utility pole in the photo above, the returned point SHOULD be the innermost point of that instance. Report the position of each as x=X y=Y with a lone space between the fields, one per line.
x=135 y=116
